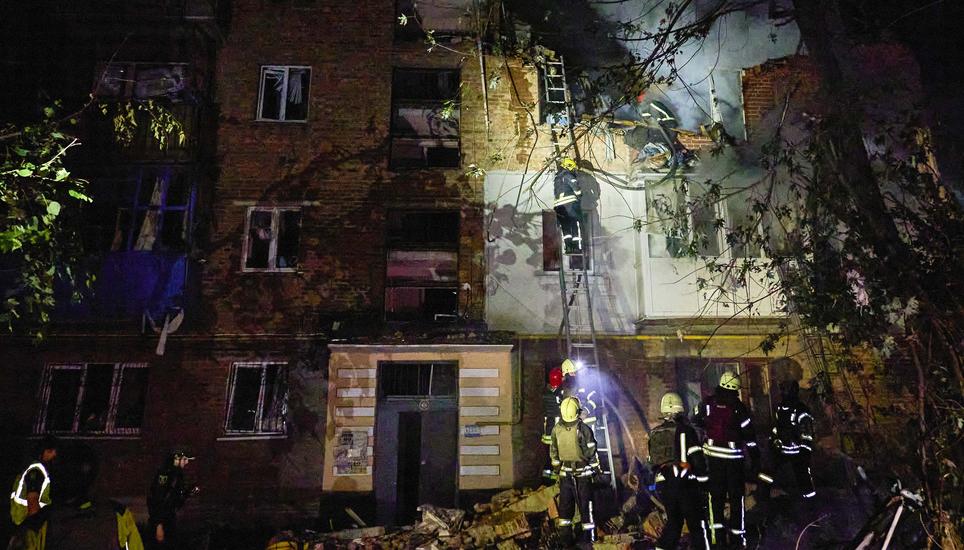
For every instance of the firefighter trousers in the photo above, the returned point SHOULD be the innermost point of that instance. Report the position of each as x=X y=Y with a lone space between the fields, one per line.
x=726 y=485
x=799 y=465
x=575 y=491
x=569 y=217
x=684 y=501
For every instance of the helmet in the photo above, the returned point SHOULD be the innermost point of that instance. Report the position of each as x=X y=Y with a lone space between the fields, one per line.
x=571 y=367
x=568 y=164
x=569 y=409
x=729 y=380
x=555 y=378
x=671 y=404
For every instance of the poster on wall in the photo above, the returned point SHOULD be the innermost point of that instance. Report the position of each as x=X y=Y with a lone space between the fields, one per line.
x=351 y=452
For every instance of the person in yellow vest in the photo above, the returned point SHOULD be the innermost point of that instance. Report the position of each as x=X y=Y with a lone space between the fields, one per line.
x=76 y=521
x=31 y=489
x=574 y=457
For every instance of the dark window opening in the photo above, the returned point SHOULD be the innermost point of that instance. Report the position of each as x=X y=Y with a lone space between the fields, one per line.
x=272 y=239
x=401 y=379
x=95 y=398
x=425 y=118
x=422 y=266
x=257 y=398
x=284 y=93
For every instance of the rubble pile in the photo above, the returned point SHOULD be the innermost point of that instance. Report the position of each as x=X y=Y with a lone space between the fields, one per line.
x=512 y=519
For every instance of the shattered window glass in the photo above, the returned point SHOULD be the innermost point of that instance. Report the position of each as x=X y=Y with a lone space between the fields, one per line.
x=666 y=220
x=273 y=239
x=284 y=93
x=743 y=226
x=94 y=398
x=153 y=211
x=425 y=118
x=422 y=266
x=258 y=398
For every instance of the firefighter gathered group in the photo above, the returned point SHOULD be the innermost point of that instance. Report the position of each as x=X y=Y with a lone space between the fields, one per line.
x=699 y=476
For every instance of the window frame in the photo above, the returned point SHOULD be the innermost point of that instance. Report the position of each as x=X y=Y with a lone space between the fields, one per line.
x=110 y=427
x=273 y=244
x=133 y=207
x=386 y=365
x=719 y=212
x=259 y=412
x=399 y=245
x=283 y=106
x=397 y=102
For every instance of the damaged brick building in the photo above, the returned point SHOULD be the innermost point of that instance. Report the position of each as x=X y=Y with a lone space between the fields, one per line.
x=325 y=298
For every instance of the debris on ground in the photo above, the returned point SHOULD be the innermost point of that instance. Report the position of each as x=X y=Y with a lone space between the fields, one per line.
x=513 y=519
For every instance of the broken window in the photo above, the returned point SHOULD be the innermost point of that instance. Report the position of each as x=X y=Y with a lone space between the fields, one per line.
x=404 y=379
x=422 y=266
x=425 y=118
x=678 y=213
x=271 y=239
x=743 y=227
x=552 y=242
x=124 y=80
x=283 y=94
x=149 y=212
x=257 y=398
x=447 y=20
x=93 y=398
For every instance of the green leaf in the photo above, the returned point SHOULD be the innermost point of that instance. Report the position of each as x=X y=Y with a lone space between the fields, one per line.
x=49 y=112
x=79 y=196
x=62 y=174
x=19 y=151
x=25 y=172
x=53 y=208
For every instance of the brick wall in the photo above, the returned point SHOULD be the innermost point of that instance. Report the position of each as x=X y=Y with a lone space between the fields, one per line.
x=766 y=88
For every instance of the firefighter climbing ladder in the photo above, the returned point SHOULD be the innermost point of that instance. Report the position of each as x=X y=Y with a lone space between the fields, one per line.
x=577 y=312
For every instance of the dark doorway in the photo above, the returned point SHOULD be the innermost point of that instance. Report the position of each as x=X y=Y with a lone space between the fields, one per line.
x=409 y=466
x=416 y=439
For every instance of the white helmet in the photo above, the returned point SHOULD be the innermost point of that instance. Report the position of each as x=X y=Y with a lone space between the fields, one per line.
x=670 y=404
x=729 y=380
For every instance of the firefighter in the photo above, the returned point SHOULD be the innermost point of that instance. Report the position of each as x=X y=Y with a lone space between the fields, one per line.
x=567 y=194
x=729 y=429
x=574 y=458
x=575 y=382
x=792 y=438
x=677 y=458
x=167 y=494
x=550 y=415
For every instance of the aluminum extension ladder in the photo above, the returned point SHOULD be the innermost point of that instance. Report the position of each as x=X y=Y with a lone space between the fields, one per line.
x=578 y=324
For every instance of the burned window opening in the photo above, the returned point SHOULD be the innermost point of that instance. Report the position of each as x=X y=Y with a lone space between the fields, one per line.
x=93 y=399
x=425 y=119
x=272 y=237
x=422 y=266
x=143 y=80
x=257 y=399
x=283 y=93
x=417 y=379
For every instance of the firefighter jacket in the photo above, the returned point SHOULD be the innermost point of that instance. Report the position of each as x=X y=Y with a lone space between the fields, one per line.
x=793 y=432
x=34 y=478
x=565 y=188
x=573 y=386
x=728 y=428
x=168 y=493
x=572 y=449
x=687 y=460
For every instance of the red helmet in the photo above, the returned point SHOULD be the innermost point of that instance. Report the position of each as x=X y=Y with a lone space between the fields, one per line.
x=555 y=378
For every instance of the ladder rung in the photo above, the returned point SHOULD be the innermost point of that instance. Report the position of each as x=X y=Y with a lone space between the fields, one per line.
x=583 y=345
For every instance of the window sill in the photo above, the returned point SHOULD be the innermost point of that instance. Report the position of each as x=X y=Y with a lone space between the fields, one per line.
x=271 y=271
x=88 y=436
x=274 y=121
x=555 y=274
x=251 y=437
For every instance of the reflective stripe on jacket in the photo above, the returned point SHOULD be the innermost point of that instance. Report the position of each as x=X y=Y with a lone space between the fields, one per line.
x=18 y=496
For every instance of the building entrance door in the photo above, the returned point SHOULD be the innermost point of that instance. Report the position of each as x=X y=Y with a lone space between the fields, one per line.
x=416 y=442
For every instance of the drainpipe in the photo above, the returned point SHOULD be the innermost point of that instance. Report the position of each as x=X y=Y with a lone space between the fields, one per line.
x=485 y=85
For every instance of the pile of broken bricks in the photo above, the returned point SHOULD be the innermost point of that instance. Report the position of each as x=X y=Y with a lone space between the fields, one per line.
x=512 y=519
